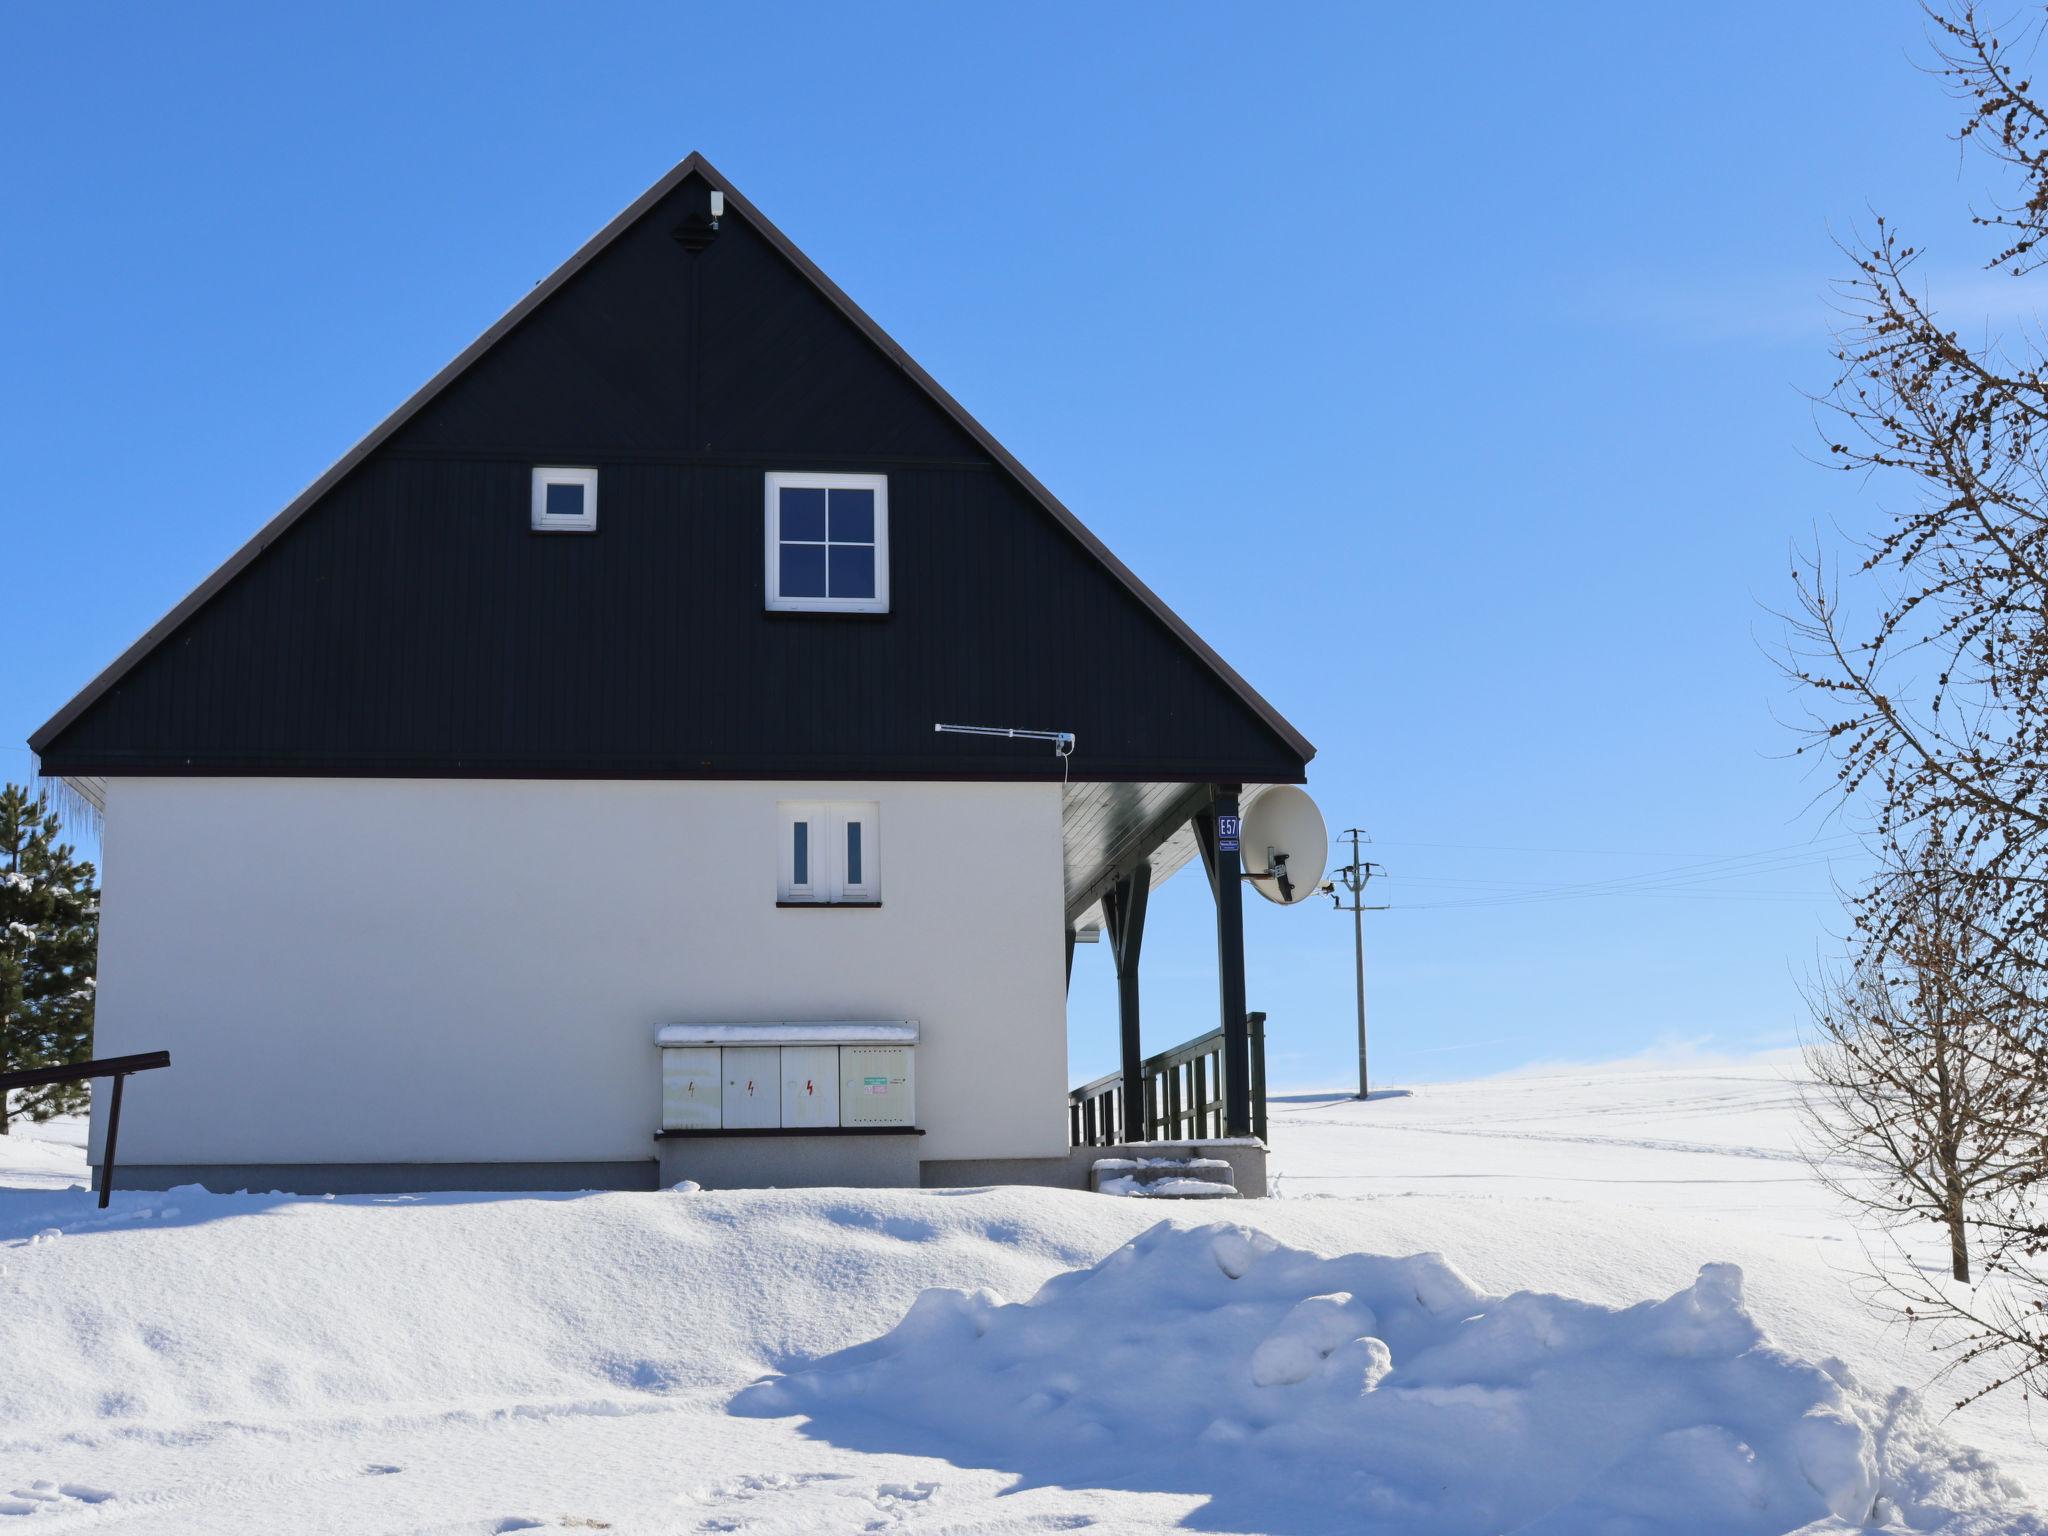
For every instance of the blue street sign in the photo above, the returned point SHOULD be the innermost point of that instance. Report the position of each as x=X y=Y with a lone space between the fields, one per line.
x=1226 y=834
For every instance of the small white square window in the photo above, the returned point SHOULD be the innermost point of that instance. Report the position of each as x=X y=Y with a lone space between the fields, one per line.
x=830 y=852
x=827 y=543
x=565 y=501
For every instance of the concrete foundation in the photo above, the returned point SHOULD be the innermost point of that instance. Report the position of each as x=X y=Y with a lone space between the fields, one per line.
x=716 y=1162
x=384 y=1178
x=792 y=1162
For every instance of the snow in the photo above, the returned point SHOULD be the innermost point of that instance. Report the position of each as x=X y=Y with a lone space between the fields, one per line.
x=1404 y=1397
x=1167 y=1189
x=46 y=1156
x=851 y=1032
x=1603 y=1301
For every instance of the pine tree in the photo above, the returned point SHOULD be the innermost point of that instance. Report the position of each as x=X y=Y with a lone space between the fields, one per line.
x=49 y=943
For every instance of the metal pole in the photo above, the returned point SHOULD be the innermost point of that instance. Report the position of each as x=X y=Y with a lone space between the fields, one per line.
x=1358 y=960
x=1355 y=876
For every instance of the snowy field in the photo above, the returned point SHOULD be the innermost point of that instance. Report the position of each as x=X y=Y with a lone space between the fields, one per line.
x=763 y=1362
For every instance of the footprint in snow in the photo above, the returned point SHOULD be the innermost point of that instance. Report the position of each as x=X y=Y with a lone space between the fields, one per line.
x=895 y=1502
x=909 y=1229
x=33 y=1498
x=890 y=1504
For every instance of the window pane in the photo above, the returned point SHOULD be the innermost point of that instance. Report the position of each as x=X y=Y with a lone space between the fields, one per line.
x=853 y=570
x=853 y=853
x=803 y=570
x=801 y=873
x=853 y=517
x=803 y=513
x=565 y=500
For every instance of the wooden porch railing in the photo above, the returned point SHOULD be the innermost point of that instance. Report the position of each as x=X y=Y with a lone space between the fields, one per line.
x=1184 y=1095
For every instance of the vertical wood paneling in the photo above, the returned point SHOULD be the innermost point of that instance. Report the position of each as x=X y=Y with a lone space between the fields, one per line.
x=411 y=622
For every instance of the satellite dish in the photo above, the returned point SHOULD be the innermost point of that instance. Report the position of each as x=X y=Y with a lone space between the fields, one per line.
x=1285 y=845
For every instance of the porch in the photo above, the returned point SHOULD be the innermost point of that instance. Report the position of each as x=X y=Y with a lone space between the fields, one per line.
x=1121 y=840
x=1182 y=1096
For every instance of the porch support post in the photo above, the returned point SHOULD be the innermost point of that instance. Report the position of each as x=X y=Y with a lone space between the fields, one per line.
x=1225 y=871
x=1123 y=911
x=1070 y=957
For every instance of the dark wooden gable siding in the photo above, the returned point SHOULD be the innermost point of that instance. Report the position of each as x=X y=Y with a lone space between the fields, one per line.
x=410 y=623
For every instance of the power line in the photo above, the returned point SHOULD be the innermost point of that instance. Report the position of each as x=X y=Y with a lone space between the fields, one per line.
x=1684 y=879
x=1721 y=896
x=1619 y=853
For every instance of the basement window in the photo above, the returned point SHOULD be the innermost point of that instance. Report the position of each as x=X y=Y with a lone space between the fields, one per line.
x=830 y=854
x=565 y=501
x=827 y=543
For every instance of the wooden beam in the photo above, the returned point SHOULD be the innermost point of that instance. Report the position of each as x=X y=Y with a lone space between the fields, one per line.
x=1123 y=911
x=71 y=1072
x=1220 y=859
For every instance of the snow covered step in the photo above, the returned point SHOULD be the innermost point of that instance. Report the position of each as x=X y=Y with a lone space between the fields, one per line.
x=1164 y=1178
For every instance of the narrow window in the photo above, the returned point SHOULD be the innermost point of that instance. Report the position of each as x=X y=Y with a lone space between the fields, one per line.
x=855 y=836
x=829 y=852
x=800 y=877
x=565 y=500
x=827 y=544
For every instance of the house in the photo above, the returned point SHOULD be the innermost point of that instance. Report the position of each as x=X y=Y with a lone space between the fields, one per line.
x=550 y=796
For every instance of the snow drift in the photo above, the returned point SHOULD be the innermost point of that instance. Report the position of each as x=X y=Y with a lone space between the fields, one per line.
x=186 y=1364
x=1387 y=1394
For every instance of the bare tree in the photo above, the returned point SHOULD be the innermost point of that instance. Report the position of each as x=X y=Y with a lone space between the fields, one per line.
x=1925 y=661
x=1923 y=1099
x=1935 y=692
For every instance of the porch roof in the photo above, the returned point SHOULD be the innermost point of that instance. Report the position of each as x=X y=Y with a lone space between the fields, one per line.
x=1107 y=828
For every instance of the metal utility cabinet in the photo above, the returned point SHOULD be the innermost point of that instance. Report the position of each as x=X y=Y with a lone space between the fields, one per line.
x=753 y=1105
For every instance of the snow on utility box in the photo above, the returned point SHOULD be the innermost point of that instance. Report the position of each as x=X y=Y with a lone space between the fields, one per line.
x=753 y=1087
x=810 y=1085
x=692 y=1088
x=875 y=1086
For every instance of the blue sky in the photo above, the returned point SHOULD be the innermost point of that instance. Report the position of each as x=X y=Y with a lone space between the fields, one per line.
x=1443 y=368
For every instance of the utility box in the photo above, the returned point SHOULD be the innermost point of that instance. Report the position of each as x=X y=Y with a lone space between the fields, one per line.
x=692 y=1088
x=875 y=1086
x=753 y=1087
x=810 y=1086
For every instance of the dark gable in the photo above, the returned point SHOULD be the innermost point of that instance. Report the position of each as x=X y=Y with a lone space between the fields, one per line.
x=404 y=618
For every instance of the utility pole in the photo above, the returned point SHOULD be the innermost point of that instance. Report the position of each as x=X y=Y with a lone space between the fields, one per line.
x=1354 y=878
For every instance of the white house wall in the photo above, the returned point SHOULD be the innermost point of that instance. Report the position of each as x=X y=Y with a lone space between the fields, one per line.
x=377 y=970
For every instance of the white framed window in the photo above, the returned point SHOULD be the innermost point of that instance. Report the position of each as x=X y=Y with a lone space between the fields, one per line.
x=565 y=500
x=827 y=543
x=831 y=852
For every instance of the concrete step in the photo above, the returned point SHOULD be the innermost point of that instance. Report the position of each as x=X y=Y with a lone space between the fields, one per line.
x=1163 y=1178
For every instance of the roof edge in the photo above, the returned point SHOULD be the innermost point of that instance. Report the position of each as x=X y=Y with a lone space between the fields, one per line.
x=693 y=163
x=1295 y=741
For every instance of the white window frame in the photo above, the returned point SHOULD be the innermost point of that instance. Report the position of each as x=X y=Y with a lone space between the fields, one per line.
x=864 y=814
x=825 y=852
x=771 y=521
x=584 y=521
x=811 y=888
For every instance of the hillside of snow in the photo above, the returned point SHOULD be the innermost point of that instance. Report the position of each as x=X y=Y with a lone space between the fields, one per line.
x=1643 y=1318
